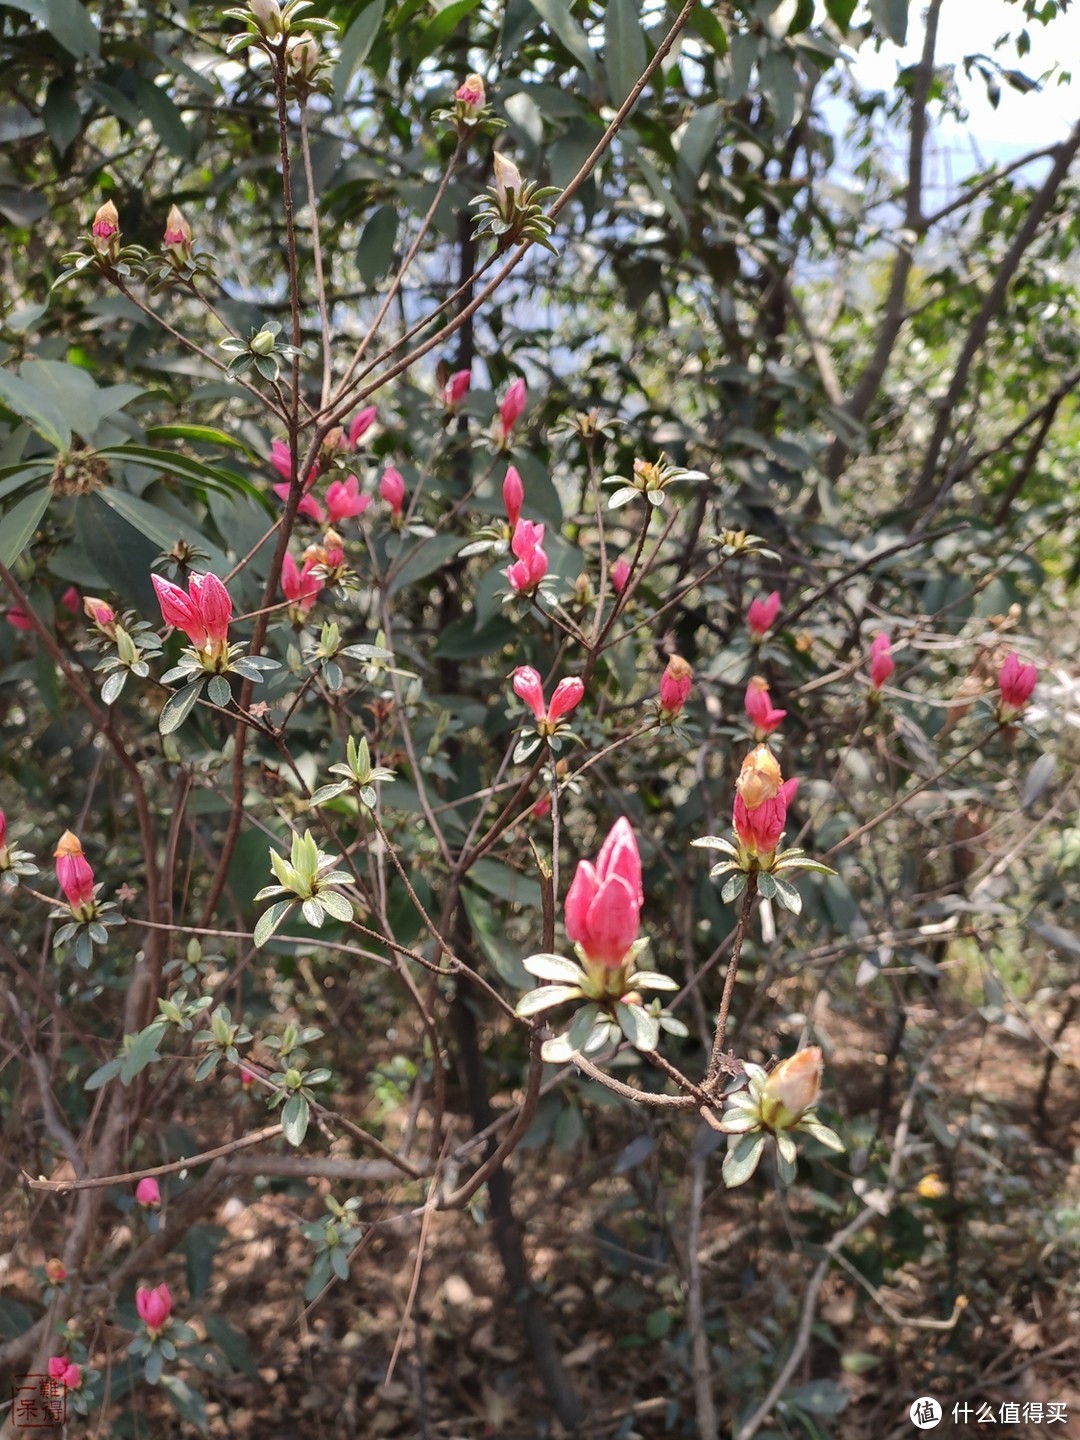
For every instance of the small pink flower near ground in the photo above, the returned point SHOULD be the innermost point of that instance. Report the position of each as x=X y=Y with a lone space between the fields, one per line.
x=148 y=1193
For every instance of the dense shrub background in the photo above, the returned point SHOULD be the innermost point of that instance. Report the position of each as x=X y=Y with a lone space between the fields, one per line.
x=761 y=280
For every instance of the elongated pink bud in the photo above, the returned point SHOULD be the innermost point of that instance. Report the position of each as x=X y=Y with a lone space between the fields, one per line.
x=392 y=489
x=513 y=403
x=215 y=607
x=675 y=685
x=106 y=222
x=762 y=614
x=513 y=496
x=620 y=574
x=529 y=687
x=759 y=708
x=179 y=610
x=761 y=802
x=603 y=904
x=308 y=506
x=471 y=95
x=568 y=694
x=456 y=388
x=1016 y=682
x=281 y=459
x=882 y=664
x=361 y=424
x=73 y=872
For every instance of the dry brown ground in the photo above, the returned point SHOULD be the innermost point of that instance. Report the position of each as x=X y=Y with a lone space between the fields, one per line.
x=607 y=1248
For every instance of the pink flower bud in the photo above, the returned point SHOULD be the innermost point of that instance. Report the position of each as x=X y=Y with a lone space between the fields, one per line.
x=106 y=222
x=103 y=616
x=55 y=1271
x=513 y=402
x=529 y=687
x=604 y=902
x=1016 y=681
x=343 y=500
x=177 y=237
x=528 y=534
x=308 y=506
x=471 y=94
x=392 y=489
x=456 y=388
x=791 y=1089
x=154 y=1307
x=147 y=1193
x=675 y=686
x=73 y=872
x=18 y=619
x=532 y=563
x=3 y=828
x=761 y=802
x=214 y=606
x=179 y=610
x=620 y=574
x=882 y=664
x=64 y=1370
x=759 y=708
x=361 y=424
x=71 y=600
x=762 y=614
x=247 y=1078
x=281 y=459
x=568 y=694
x=300 y=587
x=513 y=496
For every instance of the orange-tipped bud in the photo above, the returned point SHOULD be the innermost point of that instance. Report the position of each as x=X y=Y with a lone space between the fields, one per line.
x=791 y=1089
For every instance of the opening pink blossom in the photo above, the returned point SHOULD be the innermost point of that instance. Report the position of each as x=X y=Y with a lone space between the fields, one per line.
x=603 y=905
x=761 y=616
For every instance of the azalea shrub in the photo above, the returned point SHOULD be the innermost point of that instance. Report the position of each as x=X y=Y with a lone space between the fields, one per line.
x=404 y=774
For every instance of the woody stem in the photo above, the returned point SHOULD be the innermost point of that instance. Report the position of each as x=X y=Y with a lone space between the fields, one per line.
x=713 y=1073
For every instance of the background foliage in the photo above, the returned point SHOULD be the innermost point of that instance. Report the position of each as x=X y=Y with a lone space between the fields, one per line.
x=878 y=380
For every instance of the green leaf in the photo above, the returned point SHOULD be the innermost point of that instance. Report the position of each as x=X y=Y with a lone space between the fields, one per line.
x=36 y=409
x=160 y=109
x=103 y=1074
x=269 y=921
x=553 y=967
x=178 y=707
x=219 y=690
x=187 y=469
x=622 y=497
x=203 y=435
x=840 y=12
x=625 y=54
x=892 y=17
x=143 y=1051
x=294 y=1119
x=188 y=1402
x=232 y=1344
x=639 y=1027
x=355 y=44
x=70 y=24
x=338 y=906
x=201 y=1244
x=423 y=560
x=546 y=997
x=733 y=888
x=788 y=896
x=20 y=524
x=110 y=691
x=375 y=252
x=440 y=28
x=556 y=15
x=742 y=1159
